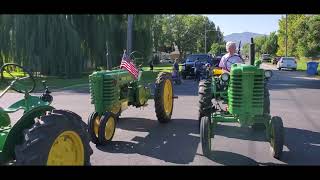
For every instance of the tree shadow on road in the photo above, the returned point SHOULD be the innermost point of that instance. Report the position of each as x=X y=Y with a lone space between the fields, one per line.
x=244 y=133
x=234 y=159
x=303 y=145
x=172 y=142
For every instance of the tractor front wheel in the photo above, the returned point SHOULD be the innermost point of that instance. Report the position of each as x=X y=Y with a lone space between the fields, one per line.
x=58 y=138
x=163 y=98
x=205 y=135
x=93 y=126
x=107 y=128
x=276 y=137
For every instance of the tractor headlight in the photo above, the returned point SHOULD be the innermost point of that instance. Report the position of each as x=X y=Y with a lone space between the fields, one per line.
x=268 y=74
x=225 y=77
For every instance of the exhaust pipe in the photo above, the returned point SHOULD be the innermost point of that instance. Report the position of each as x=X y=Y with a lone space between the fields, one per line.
x=252 y=52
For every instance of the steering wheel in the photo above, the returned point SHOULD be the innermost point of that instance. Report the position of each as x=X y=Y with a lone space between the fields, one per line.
x=226 y=62
x=24 y=81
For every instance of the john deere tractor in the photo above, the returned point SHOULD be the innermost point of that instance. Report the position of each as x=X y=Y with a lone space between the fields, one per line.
x=244 y=91
x=113 y=91
x=43 y=135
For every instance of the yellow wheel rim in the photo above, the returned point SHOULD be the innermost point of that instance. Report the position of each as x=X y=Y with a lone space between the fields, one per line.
x=110 y=127
x=67 y=149
x=96 y=125
x=167 y=97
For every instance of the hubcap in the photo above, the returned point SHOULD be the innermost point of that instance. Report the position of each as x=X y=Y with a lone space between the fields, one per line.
x=67 y=149
x=167 y=97
x=110 y=127
x=96 y=125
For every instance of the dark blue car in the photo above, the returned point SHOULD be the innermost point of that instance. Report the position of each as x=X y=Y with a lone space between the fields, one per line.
x=188 y=65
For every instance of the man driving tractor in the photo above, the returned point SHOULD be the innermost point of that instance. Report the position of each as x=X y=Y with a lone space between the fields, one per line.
x=230 y=58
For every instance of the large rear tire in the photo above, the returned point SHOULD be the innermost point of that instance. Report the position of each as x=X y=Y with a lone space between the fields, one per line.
x=58 y=138
x=205 y=99
x=163 y=98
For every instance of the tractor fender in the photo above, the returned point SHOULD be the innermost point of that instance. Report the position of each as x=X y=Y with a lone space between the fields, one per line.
x=14 y=137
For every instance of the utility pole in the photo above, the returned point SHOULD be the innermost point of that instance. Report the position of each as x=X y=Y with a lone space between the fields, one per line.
x=286 y=35
x=129 y=34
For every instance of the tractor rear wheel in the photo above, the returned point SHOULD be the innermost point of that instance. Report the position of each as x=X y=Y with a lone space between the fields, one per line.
x=205 y=103
x=205 y=135
x=93 y=126
x=163 y=98
x=107 y=128
x=276 y=137
x=58 y=138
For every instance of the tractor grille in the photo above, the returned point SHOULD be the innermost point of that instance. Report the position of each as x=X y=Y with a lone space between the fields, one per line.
x=91 y=84
x=109 y=91
x=102 y=90
x=246 y=92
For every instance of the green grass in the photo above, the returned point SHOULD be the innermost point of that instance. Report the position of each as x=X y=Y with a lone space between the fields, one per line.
x=16 y=74
x=54 y=83
x=57 y=83
x=302 y=65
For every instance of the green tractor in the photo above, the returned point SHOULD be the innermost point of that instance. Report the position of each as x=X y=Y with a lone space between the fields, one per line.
x=113 y=91
x=245 y=92
x=43 y=135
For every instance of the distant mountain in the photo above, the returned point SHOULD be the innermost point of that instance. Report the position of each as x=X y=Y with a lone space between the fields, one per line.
x=243 y=37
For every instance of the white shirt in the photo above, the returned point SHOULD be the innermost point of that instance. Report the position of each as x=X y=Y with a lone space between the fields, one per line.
x=228 y=60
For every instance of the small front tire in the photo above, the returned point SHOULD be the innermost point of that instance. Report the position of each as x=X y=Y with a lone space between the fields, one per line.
x=107 y=128
x=276 y=137
x=205 y=135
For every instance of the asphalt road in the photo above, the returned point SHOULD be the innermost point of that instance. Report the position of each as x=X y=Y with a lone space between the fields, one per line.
x=140 y=140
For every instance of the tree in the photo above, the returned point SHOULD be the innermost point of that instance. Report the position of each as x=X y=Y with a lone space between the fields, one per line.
x=245 y=49
x=186 y=31
x=67 y=45
x=294 y=34
x=259 y=45
x=217 y=48
x=270 y=44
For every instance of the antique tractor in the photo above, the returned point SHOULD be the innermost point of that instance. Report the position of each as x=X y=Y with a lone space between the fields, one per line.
x=113 y=91
x=244 y=91
x=43 y=135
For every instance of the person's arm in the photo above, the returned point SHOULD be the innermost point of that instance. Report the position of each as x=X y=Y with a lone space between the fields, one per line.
x=221 y=64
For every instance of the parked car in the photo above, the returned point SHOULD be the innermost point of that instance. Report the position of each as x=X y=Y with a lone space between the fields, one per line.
x=188 y=65
x=266 y=57
x=288 y=63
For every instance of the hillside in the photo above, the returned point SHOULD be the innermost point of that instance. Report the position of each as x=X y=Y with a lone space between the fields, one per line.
x=243 y=37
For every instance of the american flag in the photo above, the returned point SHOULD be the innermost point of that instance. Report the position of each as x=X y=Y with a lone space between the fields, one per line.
x=127 y=64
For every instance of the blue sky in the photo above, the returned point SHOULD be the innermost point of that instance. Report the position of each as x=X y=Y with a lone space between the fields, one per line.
x=262 y=24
